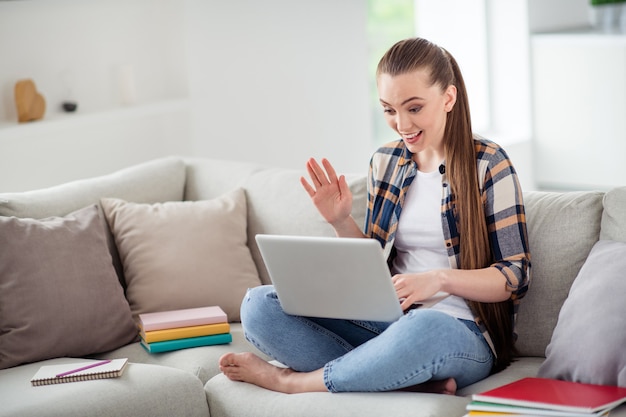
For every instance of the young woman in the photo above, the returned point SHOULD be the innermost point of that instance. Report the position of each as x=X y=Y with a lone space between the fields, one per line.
x=447 y=208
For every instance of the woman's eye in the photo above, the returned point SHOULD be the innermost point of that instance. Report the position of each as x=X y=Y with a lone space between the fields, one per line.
x=415 y=109
x=387 y=110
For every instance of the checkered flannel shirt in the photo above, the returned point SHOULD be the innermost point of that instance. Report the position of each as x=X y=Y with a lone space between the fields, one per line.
x=391 y=172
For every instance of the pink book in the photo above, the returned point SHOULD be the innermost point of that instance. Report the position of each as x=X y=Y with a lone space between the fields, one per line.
x=182 y=318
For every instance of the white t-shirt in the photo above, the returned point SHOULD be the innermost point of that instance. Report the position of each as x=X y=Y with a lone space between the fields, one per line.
x=419 y=240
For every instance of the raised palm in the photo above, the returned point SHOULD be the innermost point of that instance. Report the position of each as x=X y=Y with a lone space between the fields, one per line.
x=330 y=194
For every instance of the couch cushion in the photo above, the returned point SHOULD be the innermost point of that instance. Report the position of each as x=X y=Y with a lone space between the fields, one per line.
x=184 y=254
x=591 y=322
x=562 y=229
x=203 y=361
x=614 y=215
x=520 y=368
x=150 y=182
x=59 y=294
x=142 y=391
x=225 y=399
x=207 y=178
x=278 y=204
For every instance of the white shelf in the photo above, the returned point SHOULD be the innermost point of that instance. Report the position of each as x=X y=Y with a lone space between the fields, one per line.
x=60 y=121
x=580 y=38
x=579 y=107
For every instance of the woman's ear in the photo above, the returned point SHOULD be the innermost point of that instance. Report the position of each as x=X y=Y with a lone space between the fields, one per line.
x=450 y=98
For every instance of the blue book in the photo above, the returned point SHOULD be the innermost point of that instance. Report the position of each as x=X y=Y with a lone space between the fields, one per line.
x=169 y=345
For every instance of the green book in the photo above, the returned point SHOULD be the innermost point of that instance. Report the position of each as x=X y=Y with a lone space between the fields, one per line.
x=516 y=410
x=169 y=345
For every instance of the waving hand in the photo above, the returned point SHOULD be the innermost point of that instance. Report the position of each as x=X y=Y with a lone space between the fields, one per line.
x=331 y=196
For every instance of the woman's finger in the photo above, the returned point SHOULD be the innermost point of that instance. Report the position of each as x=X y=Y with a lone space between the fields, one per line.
x=307 y=187
x=317 y=174
x=313 y=176
x=330 y=170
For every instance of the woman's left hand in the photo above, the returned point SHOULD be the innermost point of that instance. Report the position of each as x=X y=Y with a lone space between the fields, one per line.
x=413 y=288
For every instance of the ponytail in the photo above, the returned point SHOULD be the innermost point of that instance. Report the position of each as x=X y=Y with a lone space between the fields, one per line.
x=475 y=250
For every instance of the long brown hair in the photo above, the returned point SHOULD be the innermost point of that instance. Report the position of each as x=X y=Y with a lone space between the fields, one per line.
x=475 y=251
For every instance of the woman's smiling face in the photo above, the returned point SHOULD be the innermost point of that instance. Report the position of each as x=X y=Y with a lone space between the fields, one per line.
x=415 y=109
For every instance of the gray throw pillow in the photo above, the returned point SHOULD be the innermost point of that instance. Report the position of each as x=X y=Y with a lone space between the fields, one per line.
x=59 y=293
x=588 y=342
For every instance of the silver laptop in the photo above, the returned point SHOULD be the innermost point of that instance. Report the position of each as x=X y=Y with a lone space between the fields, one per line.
x=343 y=278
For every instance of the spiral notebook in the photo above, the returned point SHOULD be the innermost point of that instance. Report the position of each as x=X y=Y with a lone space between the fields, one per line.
x=86 y=370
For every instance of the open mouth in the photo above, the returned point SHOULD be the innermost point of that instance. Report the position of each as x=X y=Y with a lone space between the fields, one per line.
x=413 y=137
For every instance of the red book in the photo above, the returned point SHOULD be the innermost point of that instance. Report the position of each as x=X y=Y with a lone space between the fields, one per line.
x=182 y=318
x=553 y=394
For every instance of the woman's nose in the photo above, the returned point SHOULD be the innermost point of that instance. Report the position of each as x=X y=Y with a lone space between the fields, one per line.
x=403 y=122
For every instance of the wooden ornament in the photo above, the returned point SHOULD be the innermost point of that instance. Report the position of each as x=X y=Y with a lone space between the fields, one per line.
x=30 y=104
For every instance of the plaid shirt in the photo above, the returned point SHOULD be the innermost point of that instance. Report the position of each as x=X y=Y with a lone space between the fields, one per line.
x=392 y=171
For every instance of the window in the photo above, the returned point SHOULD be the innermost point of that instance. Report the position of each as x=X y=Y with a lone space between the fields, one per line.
x=388 y=22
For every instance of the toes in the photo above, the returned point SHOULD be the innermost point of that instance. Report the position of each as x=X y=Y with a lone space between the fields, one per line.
x=226 y=360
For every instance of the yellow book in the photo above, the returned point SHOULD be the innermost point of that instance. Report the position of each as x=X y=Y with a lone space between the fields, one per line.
x=184 y=332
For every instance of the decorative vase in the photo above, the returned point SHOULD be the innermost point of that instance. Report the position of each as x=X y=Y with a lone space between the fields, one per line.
x=608 y=16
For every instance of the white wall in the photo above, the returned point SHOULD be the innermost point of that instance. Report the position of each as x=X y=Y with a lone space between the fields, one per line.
x=280 y=81
x=273 y=82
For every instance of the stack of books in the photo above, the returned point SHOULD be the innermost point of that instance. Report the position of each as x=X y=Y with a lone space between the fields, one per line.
x=547 y=397
x=181 y=329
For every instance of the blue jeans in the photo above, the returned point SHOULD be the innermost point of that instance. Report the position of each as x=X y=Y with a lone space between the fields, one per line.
x=368 y=356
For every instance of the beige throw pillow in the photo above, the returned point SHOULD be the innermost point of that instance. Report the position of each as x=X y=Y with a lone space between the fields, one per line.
x=184 y=254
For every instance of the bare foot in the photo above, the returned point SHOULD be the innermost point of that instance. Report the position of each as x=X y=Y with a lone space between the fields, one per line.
x=248 y=367
x=444 y=386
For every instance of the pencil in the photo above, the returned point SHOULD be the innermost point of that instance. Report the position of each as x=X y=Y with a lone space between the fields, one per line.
x=93 y=365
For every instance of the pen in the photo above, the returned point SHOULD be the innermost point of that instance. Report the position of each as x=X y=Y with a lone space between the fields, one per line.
x=93 y=365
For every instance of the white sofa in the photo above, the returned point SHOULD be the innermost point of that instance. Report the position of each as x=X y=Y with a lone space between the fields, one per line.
x=563 y=228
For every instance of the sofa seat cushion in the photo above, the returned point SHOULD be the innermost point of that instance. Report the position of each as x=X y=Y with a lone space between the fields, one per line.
x=59 y=294
x=588 y=344
x=521 y=367
x=184 y=254
x=238 y=399
x=201 y=361
x=142 y=390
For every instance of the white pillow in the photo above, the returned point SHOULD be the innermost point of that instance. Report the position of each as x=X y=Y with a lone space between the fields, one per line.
x=588 y=342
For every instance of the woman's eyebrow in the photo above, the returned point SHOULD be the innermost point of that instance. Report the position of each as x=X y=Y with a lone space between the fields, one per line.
x=404 y=102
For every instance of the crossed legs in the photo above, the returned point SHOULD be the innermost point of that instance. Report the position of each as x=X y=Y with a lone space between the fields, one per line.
x=425 y=351
x=248 y=367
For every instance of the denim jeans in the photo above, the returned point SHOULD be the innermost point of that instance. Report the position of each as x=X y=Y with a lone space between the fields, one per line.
x=368 y=356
